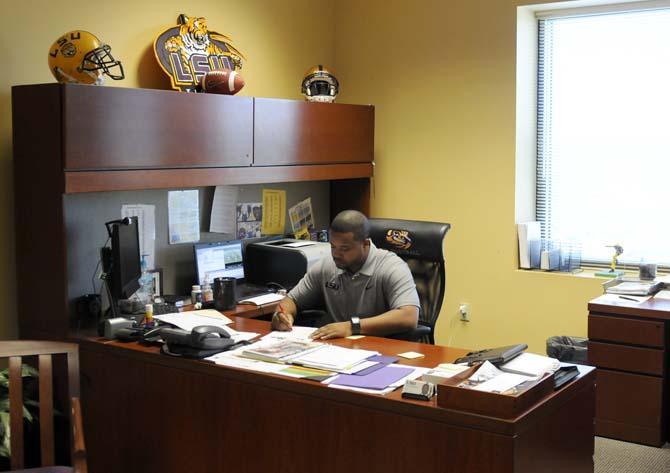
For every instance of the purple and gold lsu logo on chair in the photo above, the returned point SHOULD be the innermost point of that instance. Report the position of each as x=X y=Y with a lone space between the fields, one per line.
x=188 y=51
x=399 y=239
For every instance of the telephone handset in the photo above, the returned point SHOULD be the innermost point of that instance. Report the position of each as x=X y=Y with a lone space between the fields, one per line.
x=204 y=337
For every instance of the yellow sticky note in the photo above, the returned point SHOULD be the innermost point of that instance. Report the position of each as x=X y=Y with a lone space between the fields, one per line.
x=274 y=212
x=411 y=355
x=355 y=337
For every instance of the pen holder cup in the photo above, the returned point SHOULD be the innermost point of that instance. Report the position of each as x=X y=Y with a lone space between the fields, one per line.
x=224 y=293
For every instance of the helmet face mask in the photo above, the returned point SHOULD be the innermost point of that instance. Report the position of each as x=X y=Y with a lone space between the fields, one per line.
x=320 y=85
x=101 y=59
x=79 y=57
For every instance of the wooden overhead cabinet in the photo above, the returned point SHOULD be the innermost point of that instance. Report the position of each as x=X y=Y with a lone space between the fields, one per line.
x=71 y=139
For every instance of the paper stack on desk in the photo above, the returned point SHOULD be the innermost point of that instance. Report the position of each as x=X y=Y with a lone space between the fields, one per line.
x=635 y=288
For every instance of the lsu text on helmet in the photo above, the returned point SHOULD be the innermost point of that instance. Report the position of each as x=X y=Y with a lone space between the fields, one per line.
x=79 y=57
x=320 y=85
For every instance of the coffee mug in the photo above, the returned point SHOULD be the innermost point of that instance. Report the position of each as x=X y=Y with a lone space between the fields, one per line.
x=224 y=293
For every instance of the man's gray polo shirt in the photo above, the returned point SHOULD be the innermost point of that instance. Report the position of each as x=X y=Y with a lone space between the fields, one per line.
x=383 y=283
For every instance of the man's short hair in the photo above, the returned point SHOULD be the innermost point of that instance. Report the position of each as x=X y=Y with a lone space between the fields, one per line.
x=351 y=221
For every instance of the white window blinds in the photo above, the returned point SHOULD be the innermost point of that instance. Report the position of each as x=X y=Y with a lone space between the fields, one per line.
x=603 y=164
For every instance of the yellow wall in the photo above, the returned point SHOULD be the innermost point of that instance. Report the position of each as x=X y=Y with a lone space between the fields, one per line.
x=442 y=75
x=280 y=40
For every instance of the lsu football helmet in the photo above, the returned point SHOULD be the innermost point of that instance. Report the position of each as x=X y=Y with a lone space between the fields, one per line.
x=320 y=85
x=79 y=57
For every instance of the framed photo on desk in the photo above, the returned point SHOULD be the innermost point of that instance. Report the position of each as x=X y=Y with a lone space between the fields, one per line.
x=157 y=275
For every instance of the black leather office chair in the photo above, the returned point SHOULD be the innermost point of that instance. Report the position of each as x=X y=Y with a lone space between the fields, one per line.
x=421 y=245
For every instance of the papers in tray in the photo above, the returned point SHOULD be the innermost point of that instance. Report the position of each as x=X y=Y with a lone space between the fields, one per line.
x=635 y=288
x=488 y=378
x=263 y=299
x=530 y=364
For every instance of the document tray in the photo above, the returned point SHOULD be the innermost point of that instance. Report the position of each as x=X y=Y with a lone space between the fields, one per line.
x=504 y=406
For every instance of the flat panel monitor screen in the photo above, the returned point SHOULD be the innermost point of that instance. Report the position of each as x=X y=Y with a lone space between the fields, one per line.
x=126 y=266
x=221 y=259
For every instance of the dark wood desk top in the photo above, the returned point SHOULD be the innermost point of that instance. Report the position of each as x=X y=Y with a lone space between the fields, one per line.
x=651 y=309
x=433 y=355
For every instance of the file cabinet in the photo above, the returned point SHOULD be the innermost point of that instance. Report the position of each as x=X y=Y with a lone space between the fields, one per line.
x=628 y=343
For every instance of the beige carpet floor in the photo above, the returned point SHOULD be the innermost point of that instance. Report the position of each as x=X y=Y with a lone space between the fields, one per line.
x=613 y=456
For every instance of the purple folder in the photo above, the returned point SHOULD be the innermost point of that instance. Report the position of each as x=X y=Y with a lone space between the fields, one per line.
x=379 y=379
x=383 y=359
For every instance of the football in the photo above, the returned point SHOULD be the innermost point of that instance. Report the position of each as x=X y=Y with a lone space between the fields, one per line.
x=222 y=81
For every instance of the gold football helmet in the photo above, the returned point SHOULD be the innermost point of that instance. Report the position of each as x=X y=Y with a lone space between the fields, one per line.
x=320 y=85
x=79 y=57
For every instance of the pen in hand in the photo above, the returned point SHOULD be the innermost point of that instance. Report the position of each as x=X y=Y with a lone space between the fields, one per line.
x=283 y=321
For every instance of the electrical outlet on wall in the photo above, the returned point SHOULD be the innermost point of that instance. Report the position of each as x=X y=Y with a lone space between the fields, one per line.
x=464 y=311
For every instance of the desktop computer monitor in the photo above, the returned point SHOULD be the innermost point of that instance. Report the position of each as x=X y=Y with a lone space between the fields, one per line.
x=124 y=269
x=220 y=259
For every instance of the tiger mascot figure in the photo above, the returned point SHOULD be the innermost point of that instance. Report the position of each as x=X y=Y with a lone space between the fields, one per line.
x=194 y=38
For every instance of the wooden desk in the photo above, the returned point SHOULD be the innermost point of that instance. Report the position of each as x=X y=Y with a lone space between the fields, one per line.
x=628 y=342
x=148 y=412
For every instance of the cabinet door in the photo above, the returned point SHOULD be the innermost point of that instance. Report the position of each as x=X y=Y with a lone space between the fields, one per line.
x=117 y=128
x=629 y=407
x=293 y=132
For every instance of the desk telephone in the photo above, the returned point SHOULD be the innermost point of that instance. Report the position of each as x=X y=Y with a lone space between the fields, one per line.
x=201 y=342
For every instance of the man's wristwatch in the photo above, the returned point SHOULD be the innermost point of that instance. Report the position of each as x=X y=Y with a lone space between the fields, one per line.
x=355 y=326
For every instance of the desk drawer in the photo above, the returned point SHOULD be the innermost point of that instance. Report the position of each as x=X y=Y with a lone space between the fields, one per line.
x=618 y=329
x=625 y=358
x=628 y=400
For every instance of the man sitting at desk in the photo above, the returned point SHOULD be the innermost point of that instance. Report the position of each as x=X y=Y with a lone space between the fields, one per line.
x=364 y=289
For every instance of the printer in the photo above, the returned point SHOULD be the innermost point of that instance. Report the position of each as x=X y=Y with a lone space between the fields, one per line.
x=282 y=261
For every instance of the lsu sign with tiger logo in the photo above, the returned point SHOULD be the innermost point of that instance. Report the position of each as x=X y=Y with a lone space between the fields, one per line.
x=188 y=51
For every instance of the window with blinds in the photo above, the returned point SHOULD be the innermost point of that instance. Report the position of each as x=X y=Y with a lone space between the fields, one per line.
x=603 y=144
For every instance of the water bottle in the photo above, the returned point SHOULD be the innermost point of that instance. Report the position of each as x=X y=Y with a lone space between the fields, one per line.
x=145 y=292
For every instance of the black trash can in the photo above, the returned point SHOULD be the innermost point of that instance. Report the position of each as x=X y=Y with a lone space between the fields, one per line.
x=568 y=349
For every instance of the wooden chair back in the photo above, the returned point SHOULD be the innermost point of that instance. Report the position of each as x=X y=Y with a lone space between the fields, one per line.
x=15 y=351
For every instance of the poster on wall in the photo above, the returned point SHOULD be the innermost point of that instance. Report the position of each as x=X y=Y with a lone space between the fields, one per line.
x=188 y=51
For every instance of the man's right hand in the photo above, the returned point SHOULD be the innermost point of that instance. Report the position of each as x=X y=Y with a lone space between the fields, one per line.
x=282 y=321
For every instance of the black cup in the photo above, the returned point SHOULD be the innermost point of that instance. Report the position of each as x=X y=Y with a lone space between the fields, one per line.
x=224 y=293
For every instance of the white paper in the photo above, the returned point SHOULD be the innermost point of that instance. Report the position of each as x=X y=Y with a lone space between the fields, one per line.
x=189 y=319
x=263 y=299
x=298 y=244
x=333 y=357
x=531 y=364
x=298 y=333
x=485 y=372
x=621 y=299
x=502 y=383
x=223 y=210
x=665 y=294
x=183 y=216
x=230 y=358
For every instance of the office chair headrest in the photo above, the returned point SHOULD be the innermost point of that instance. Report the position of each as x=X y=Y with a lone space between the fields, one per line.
x=410 y=238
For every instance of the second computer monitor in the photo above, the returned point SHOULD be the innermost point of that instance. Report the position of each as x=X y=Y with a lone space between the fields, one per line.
x=220 y=259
